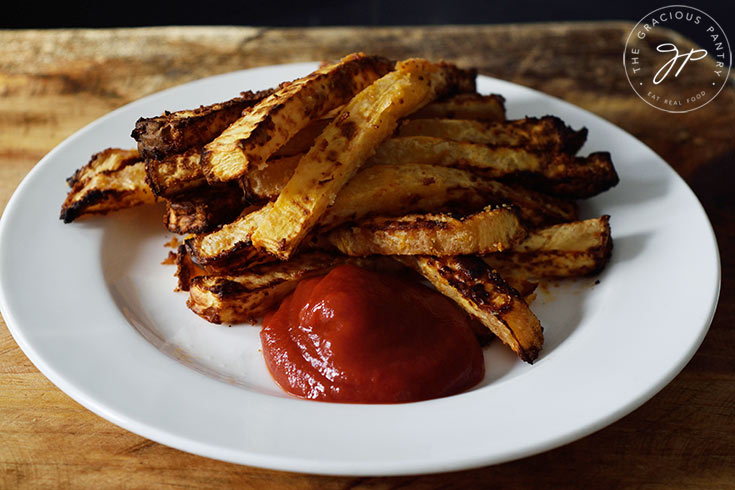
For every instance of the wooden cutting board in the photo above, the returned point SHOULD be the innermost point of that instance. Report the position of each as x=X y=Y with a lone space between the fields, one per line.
x=54 y=82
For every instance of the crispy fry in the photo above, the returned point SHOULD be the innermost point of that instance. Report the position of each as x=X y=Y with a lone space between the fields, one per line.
x=391 y=190
x=548 y=133
x=534 y=208
x=181 y=172
x=175 y=173
x=266 y=183
x=260 y=132
x=580 y=179
x=203 y=209
x=491 y=230
x=465 y=106
x=394 y=190
x=176 y=132
x=573 y=249
x=385 y=189
x=186 y=269
x=107 y=190
x=480 y=291
x=388 y=190
x=399 y=189
x=246 y=296
x=525 y=286
x=345 y=144
x=230 y=246
x=302 y=141
x=107 y=160
x=557 y=173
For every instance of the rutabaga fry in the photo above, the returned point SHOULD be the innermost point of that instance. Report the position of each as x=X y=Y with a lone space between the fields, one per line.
x=491 y=230
x=346 y=143
x=554 y=172
x=175 y=132
x=268 y=125
x=573 y=249
x=243 y=297
x=465 y=106
x=107 y=190
x=548 y=133
x=480 y=291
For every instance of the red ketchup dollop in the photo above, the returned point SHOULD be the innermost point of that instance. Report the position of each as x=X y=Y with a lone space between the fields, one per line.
x=360 y=336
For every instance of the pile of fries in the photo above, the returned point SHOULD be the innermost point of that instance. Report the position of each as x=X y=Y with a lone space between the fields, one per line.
x=366 y=161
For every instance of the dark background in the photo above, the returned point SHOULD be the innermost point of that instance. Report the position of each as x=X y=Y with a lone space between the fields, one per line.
x=285 y=13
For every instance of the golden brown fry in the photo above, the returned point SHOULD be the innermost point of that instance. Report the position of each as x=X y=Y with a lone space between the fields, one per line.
x=107 y=160
x=260 y=132
x=385 y=190
x=230 y=246
x=345 y=144
x=381 y=190
x=465 y=106
x=266 y=183
x=399 y=189
x=203 y=209
x=107 y=190
x=491 y=230
x=494 y=161
x=182 y=172
x=176 y=173
x=534 y=208
x=582 y=178
x=548 y=133
x=176 y=132
x=557 y=173
x=393 y=190
x=186 y=269
x=525 y=286
x=480 y=291
x=573 y=249
x=248 y=295
x=302 y=141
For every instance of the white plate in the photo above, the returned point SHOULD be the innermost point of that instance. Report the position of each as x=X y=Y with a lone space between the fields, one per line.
x=93 y=309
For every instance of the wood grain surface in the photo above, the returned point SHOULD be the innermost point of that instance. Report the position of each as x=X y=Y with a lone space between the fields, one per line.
x=54 y=82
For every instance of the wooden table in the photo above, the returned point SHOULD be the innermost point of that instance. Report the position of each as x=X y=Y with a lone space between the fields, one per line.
x=54 y=82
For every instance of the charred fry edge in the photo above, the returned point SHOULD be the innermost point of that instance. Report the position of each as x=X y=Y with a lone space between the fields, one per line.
x=176 y=132
x=552 y=172
x=470 y=105
x=548 y=133
x=346 y=143
x=230 y=246
x=186 y=269
x=107 y=160
x=480 y=291
x=107 y=191
x=581 y=178
x=202 y=210
x=575 y=249
x=260 y=132
x=175 y=173
x=490 y=230
x=244 y=297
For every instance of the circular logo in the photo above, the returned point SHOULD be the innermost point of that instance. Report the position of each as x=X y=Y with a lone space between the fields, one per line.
x=677 y=58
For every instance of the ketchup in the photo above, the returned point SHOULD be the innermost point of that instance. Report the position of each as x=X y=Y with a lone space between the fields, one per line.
x=356 y=335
